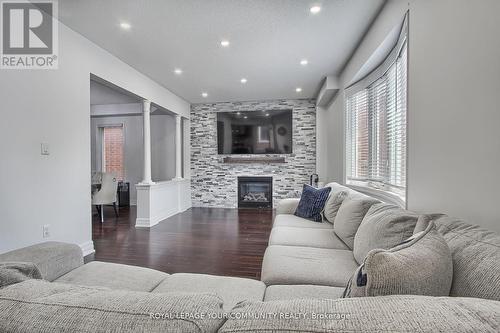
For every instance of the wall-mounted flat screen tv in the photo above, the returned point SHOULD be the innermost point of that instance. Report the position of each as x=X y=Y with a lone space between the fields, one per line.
x=255 y=132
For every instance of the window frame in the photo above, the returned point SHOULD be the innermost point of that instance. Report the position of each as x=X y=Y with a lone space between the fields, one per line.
x=100 y=142
x=369 y=186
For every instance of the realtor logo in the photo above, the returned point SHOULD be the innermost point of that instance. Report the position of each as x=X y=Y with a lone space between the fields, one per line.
x=29 y=34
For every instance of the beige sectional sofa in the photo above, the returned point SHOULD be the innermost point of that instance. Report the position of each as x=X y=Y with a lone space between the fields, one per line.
x=304 y=274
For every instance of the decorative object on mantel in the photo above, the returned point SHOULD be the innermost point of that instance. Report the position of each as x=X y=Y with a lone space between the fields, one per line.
x=253 y=159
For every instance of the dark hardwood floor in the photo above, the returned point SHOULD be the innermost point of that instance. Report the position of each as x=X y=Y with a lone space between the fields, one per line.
x=201 y=240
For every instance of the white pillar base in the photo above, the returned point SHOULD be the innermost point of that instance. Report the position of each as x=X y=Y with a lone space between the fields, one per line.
x=156 y=202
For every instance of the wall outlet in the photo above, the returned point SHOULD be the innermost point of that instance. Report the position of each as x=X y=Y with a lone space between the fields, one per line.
x=46 y=231
x=44 y=148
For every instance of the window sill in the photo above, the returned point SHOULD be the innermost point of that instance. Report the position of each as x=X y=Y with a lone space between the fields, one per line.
x=382 y=195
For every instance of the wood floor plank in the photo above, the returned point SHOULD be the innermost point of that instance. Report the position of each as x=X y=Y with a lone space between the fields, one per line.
x=216 y=241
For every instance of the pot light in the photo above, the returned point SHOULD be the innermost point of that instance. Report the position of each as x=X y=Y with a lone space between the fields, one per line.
x=125 y=26
x=224 y=43
x=298 y=89
x=267 y=114
x=204 y=94
x=178 y=71
x=304 y=62
x=243 y=80
x=246 y=117
x=238 y=113
x=315 y=9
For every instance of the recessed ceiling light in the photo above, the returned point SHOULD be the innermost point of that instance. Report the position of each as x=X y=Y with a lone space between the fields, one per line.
x=238 y=113
x=224 y=43
x=246 y=117
x=204 y=94
x=243 y=80
x=315 y=9
x=267 y=114
x=298 y=90
x=178 y=71
x=304 y=62
x=125 y=26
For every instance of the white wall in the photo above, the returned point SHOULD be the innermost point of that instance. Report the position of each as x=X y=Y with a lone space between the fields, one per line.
x=454 y=109
x=53 y=106
x=454 y=106
x=162 y=147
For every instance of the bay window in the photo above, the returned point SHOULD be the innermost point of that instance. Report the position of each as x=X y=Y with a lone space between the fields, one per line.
x=376 y=122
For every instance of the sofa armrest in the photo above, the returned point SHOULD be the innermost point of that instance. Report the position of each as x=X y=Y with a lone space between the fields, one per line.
x=53 y=259
x=287 y=206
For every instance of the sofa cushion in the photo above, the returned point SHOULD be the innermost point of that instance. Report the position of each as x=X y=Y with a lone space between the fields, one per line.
x=287 y=206
x=15 y=272
x=332 y=205
x=302 y=291
x=231 y=290
x=307 y=265
x=40 y=306
x=352 y=194
x=287 y=220
x=421 y=265
x=383 y=227
x=312 y=202
x=349 y=217
x=476 y=258
x=53 y=259
x=114 y=276
x=402 y=313
x=308 y=237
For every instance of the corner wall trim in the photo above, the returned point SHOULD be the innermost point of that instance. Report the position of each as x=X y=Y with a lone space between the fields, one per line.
x=87 y=248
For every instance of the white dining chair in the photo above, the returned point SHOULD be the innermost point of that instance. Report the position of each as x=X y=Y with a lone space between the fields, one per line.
x=106 y=195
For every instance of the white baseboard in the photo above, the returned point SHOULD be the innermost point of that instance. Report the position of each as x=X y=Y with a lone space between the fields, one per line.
x=143 y=223
x=148 y=223
x=87 y=248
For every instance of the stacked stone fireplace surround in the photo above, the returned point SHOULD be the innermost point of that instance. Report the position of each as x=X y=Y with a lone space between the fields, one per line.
x=214 y=182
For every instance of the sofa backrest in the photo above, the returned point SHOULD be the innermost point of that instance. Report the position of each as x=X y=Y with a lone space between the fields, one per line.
x=476 y=258
x=41 y=306
x=53 y=259
x=353 y=194
x=399 y=313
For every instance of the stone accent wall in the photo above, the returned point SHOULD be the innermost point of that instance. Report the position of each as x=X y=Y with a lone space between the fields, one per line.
x=214 y=183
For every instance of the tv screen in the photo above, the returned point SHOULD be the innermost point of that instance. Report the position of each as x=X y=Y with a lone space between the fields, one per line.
x=254 y=132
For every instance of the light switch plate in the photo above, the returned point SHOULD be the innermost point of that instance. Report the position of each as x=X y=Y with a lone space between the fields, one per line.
x=46 y=230
x=44 y=148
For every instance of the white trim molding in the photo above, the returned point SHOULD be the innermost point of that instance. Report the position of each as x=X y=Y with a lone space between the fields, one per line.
x=382 y=195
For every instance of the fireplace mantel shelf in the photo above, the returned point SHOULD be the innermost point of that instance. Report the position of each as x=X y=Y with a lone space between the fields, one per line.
x=253 y=159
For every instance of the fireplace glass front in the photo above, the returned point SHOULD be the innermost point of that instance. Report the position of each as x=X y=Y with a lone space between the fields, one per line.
x=255 y=192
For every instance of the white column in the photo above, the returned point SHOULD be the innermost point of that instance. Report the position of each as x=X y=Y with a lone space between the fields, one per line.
x=147 y=142
x=178 y=147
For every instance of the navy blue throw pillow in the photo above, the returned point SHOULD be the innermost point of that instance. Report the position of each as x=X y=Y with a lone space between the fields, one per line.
x=312 y=202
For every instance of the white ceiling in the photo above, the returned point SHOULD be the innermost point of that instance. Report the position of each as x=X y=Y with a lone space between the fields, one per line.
x=268 y=39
